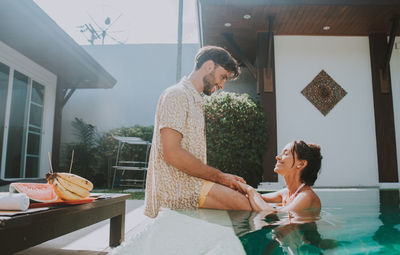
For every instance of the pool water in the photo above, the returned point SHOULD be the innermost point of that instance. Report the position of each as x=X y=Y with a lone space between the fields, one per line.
x=352 y=221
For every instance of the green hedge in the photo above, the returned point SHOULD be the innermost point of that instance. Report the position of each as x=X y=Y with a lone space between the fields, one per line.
x=236 y=135
x=96 y=152
x=236 y=140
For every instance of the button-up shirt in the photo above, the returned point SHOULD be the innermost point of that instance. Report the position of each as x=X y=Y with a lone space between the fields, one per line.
x=180 y=107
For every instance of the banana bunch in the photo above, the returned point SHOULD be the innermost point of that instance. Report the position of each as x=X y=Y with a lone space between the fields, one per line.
x=69 y=186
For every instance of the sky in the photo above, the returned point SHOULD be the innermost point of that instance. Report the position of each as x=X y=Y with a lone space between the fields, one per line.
x=124 y=21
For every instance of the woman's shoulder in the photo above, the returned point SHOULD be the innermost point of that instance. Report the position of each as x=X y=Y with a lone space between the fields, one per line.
x=312 y=197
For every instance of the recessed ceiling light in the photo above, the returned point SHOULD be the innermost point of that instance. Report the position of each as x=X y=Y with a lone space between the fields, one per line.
x=326 y=28
x=247 y=16
x=227 y=24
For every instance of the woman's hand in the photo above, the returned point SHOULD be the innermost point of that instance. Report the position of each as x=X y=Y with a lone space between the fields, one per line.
x=242 y=187
x=231 y=181
x=256 y=201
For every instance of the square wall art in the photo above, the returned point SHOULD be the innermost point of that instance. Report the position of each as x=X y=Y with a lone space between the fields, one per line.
x=323 y=92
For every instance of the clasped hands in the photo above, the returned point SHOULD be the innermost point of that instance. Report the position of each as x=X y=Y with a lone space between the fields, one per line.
x=234 y=182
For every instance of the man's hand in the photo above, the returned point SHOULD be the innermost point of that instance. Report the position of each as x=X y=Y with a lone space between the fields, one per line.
x=231 y=181
x=243 y=187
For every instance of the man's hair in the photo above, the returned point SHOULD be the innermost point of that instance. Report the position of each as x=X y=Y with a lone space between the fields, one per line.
x=220 y=57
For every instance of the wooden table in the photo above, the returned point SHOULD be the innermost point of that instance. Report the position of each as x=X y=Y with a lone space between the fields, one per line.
x=23 y=231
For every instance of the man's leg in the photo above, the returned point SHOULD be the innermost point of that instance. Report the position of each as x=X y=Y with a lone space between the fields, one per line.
x=222 y=197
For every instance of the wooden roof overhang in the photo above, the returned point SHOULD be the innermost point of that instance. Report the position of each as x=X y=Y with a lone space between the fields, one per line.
x=29 y=30
x=291 y=17
x=251 y=42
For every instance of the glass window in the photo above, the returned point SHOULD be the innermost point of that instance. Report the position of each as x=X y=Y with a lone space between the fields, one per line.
x=37 y=93
x=4 y=74
x=33 y=143
x=16 y=133
x=35 y=116
x=32 y=166
x=24 y=131
x=35 y=130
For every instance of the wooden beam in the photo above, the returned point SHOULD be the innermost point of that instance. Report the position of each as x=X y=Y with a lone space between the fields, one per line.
x=238 y=52
x=268 y=72
x=208 y=3
x=55 y=157
x=270 y=38
x=68 y=96
x=383 y=110
x=395 y=27
x=268 y=102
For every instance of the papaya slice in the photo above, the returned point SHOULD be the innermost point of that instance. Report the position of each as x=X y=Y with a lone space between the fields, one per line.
x=37 y=192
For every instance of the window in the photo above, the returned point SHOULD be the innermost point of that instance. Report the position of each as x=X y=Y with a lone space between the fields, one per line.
x=24 y=129
x=34 y=130
x=4 y=76
x=15 y=146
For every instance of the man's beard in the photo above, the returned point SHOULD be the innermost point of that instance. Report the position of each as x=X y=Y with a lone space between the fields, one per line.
x=208 y=81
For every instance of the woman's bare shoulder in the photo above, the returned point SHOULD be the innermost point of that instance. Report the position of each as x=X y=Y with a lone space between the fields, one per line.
x=313 y=198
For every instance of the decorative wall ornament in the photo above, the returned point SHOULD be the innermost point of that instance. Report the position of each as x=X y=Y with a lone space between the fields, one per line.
x=323 y=92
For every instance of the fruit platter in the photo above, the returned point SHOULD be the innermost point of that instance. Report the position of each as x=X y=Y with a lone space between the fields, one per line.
x=61 y=189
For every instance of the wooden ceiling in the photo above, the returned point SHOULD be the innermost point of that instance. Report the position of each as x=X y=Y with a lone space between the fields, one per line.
x=292 y=17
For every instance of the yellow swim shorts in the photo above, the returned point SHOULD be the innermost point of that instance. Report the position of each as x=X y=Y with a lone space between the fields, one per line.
x=205 y=188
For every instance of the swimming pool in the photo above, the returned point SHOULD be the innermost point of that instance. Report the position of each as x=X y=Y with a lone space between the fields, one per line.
x=352 y=221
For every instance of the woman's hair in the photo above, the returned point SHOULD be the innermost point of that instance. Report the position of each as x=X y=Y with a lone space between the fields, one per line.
x=220 y=57
x=312 y=153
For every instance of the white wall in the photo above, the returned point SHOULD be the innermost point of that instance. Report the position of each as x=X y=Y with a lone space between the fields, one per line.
x=142 y=71
x=395 y=74
x=347 y=133
x=19 y=62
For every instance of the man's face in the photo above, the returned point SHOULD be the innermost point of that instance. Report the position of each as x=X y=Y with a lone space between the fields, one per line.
x=215 y=80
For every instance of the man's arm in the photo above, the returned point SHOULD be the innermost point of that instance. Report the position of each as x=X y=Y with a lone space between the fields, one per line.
x=180 y=158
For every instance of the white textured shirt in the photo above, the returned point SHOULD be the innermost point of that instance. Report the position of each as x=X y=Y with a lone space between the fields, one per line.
x=180 y=107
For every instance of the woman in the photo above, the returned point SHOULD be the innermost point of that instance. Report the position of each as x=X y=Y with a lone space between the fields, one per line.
x=299 y=164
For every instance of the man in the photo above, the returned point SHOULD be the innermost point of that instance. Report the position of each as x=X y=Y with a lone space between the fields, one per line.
x=178 y=176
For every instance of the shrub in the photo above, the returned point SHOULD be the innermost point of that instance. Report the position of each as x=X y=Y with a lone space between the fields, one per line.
x=108 y=147
x=95 y=153
x=84 y=162
x=236 y=135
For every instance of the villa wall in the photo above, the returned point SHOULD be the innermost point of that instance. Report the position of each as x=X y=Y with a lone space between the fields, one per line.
x=347 y=133
x=142 y=71
x=395 y=74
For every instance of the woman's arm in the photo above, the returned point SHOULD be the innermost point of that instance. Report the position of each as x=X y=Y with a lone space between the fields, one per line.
x=256 y=201
x=303 y=201
x=273 y=197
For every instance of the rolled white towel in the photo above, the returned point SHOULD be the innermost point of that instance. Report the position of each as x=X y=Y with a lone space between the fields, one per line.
x=15 y=202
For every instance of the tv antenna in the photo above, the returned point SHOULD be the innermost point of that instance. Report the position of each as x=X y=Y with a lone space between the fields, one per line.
x=100 y=28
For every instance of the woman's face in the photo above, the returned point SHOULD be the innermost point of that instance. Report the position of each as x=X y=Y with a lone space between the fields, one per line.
x=284 y=161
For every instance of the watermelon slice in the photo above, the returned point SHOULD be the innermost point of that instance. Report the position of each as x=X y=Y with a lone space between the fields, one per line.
x=38 y=192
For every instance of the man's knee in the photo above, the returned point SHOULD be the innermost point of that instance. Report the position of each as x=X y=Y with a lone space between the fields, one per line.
x=222 y=197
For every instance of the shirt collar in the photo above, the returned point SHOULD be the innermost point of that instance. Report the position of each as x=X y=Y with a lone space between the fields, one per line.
x=189 y=85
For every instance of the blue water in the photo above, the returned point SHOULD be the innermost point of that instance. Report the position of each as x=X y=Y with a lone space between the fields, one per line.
x=358 y=221
x=352 y=221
